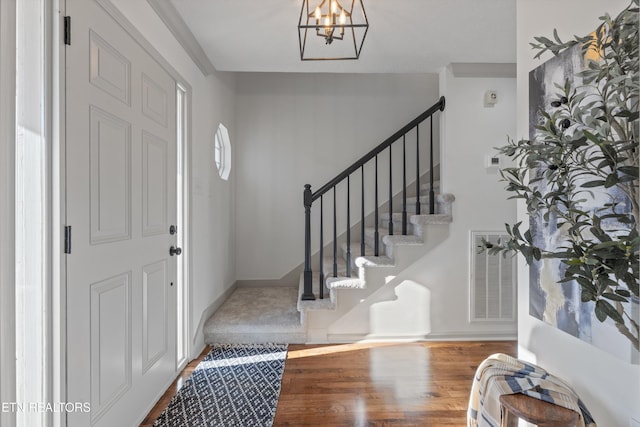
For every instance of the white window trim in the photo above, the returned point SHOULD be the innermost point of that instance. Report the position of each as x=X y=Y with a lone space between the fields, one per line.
x=222 y=139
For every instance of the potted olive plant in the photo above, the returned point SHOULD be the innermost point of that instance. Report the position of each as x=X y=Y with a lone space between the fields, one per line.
x=585 y=144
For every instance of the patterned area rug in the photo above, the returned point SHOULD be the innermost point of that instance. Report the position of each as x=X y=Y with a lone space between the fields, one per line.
x=234 y=385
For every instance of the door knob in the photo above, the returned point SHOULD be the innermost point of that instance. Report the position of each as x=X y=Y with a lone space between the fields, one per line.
x=174 y=251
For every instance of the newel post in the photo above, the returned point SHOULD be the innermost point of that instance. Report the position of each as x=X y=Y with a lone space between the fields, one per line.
x=308 y=274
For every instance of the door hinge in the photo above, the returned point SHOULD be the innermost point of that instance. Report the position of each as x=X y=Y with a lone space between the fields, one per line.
x=67 y=30
x=67 y=239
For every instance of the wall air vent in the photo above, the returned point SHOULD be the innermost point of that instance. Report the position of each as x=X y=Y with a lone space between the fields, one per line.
x=493 y=281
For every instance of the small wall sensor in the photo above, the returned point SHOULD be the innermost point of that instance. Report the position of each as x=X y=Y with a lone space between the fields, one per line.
x=490 y=98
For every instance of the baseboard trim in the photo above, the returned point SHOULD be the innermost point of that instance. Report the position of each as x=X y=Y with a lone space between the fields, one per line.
x=267 y=283
x=449 y=336
x=206 y=313
x=472 y=336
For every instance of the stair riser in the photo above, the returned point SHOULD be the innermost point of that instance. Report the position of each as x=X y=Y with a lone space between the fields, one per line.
x=355 y=253
x=424 y=188
x=411 y=210
x=397 y=226
x=369 y=240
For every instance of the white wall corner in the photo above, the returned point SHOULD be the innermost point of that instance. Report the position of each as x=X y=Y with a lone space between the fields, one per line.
x=174 y=22
x=198 y=334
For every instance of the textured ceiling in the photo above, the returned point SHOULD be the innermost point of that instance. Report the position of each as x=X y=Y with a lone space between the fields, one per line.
x=405 y=36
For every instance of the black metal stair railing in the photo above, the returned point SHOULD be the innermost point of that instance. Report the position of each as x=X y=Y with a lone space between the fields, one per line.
x=309 y=197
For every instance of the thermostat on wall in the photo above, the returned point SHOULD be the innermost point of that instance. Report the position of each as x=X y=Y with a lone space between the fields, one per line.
x=492 y=162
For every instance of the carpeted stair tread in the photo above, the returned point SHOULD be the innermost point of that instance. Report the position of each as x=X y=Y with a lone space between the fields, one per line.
x=399 y=239
x=383 y=233
x=343 y=282
x=431 y=219
x=413 y=219
x=356 y=250
x=257 y=315
x=374 y=261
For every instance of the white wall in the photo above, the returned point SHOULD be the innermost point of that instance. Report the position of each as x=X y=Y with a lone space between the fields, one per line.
x=294 y=129
x=469 y=132
x=213 y=101
x=609 y=387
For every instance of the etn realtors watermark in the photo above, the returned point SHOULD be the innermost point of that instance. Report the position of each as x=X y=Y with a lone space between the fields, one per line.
x=40 y=407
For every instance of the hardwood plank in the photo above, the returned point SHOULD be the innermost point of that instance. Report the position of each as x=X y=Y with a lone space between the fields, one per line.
x=372 y=384
x=402 y=384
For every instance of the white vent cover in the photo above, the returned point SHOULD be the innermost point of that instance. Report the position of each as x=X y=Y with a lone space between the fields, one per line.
x=493 y=279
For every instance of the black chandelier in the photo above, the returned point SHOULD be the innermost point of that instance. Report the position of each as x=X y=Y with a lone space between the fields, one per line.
x=330 y=21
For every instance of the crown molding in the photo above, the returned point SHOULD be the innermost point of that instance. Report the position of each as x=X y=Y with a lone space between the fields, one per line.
x=481 y=69
x=174 y=22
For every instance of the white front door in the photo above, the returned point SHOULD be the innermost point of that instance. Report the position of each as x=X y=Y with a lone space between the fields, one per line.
x=121 y=202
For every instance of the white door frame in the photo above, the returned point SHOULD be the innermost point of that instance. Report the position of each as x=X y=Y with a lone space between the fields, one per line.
x=7 y=207
x=184 y=226
x=51 y=87
x=58 y=210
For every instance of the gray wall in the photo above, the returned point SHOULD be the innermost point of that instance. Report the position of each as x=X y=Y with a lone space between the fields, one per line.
x=294 y=129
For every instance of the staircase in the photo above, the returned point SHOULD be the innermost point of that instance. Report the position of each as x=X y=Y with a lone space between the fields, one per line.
x=337 y=299
x=348 y=299
x=361 y=271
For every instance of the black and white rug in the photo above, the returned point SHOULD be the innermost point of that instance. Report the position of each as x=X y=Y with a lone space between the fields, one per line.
x=234 y=385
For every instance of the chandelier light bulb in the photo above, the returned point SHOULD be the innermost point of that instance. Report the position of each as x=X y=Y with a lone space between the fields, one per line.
x=343 y=17
x=318 y=13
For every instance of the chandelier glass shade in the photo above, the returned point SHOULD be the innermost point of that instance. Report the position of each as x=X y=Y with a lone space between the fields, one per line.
x=323 y=22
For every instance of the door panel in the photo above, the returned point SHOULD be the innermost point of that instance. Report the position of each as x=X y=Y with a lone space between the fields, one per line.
x=110 y=342
x=121 y=199
x=154 y=184
x=154 y=313
x=109 y=69
x=110 y=176
x=154 y=101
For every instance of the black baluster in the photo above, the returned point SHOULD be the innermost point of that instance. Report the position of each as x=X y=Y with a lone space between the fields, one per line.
x=362 y=243
x=432 y=195
x=404 y=186
x=335 y=236
x=321 y=248
x=376 y=235
x=348 y=257
x=390 y=194
x=307 y=198
x=417 y=169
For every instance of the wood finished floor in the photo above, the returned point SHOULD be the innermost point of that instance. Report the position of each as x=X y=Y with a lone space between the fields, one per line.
x=373 y=384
